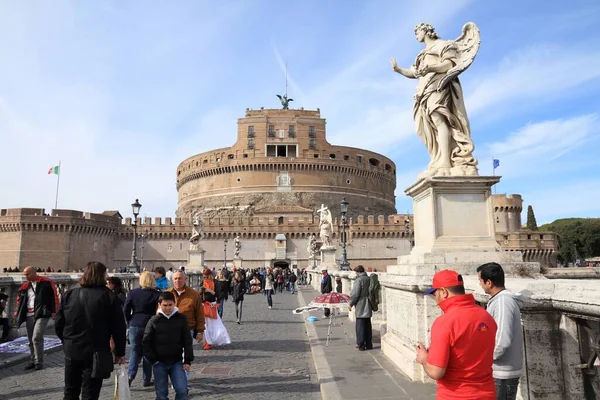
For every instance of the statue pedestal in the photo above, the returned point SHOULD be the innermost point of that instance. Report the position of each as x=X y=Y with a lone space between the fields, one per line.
x=195 y=260
x=328 y=260
x=237 y=262
x=454 y=229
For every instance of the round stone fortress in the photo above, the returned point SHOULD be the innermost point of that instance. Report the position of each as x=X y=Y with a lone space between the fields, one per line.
x=282 y=159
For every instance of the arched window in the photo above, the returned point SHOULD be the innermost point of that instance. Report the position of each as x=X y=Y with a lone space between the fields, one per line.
x=280 y=221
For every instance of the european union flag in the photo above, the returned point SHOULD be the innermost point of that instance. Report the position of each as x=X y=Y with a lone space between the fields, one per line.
x=496 y=163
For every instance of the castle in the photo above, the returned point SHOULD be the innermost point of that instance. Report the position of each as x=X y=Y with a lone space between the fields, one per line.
x=264 y=189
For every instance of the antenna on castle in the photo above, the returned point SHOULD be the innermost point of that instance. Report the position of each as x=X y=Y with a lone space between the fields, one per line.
x=286 y=78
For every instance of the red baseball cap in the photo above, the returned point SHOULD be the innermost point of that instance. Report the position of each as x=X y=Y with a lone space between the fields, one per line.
x=443 y=279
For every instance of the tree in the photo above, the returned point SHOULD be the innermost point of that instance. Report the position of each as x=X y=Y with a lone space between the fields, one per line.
x=578 y=238
x=531 y=222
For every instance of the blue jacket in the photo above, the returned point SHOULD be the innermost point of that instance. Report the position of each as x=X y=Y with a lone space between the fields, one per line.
x=140 y=306
x=162 y=283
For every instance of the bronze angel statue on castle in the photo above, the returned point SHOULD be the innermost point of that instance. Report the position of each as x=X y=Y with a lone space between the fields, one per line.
x=439 y=109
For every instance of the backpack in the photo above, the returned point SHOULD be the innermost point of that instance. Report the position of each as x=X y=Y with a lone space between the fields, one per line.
x=374 y=292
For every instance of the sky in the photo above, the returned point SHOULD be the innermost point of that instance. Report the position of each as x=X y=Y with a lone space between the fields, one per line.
x=122 y=91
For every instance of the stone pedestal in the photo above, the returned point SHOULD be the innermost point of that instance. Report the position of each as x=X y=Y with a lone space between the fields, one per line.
x=237 y=262
x=195 y=260
x=328 y=260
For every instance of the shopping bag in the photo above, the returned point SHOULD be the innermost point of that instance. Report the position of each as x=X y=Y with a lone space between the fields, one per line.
x=216 y=334
x=122 y=384
x=210 y=310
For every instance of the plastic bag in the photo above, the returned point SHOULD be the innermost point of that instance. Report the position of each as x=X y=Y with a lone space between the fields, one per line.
x=216 y=333
x=122 y=384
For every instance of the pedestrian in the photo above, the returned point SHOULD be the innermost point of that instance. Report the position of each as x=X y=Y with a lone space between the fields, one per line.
x=505 y=307
x=362 y=310
x=326 y=287
x=189 y=303
x=269 y=285
x=292 y=280
x=338 y=284
x=239 y=289
x=37 y=302
x=115 y=284
x=139 y=307
x=4 y=321
x=222 y=291
x=169 y=276
x=160 y=275
x=461 y=353
x=86 y=320
x=215 y=333
x=166 y=337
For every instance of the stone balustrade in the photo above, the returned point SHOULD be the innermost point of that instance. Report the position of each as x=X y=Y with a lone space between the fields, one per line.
x=10 y=283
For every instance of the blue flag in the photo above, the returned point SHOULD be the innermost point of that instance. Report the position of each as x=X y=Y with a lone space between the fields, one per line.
x=496 y=163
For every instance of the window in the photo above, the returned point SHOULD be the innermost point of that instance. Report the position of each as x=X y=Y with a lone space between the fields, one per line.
x=251 y=143
x=245 y=155
x=373 y=162
x=230 y=156
x=528 y=237
x=280 y=222
x=271 y=131
x=388 y=167
x=251 y=131
x=312 y=144
x=332 y=156
x=311 y=132
x=541 y=237
x=359 y=159
x=346 y=158
x=316 y=155
x=292 y=131
x=281 y=150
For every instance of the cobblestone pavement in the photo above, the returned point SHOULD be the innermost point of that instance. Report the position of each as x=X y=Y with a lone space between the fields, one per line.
x=269 y=358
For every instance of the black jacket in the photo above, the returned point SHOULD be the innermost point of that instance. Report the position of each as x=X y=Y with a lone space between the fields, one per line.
x=80 y=339
x=222 y=289
x=326 y=284
x=46 y=300
x=140 y=306
x=239 y=289
x=165 y=338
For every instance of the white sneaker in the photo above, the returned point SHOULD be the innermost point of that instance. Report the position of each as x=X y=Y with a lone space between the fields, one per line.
x=270 y=307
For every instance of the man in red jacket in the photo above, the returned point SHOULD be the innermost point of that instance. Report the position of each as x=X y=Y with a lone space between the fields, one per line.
x=37 y=302
x=461 y=353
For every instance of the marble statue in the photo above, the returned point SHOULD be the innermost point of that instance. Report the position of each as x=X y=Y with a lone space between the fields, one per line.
x=325 y=226
x=311 y=248
x=439 y=109
x=197 y=232
x=237 y=246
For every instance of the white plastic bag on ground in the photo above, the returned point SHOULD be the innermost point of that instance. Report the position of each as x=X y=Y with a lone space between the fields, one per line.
x=122 y=384
x=215 y=333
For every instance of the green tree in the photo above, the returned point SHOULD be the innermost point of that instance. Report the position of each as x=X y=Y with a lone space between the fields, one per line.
x=531 y=222
x=578 y=238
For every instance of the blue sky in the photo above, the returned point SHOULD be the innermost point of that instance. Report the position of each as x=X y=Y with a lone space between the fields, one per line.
x=122 y=91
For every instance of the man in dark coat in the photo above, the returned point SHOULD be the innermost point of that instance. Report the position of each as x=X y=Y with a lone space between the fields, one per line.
x=362 y=309
x=326 y=287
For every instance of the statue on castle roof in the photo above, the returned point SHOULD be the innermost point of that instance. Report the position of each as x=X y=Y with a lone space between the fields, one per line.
x=285 y=101
x=439 y=109
x=197 y=232
x=325 y=226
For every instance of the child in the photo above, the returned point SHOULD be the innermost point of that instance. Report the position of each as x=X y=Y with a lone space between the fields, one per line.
x=166 y=335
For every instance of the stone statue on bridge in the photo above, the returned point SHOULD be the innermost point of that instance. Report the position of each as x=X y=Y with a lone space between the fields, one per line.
x=325 y=226
x=237 y=246
x=439 y=109
x=197 y=232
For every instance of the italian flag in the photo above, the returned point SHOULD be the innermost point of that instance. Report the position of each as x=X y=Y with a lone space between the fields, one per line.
x=54 y=170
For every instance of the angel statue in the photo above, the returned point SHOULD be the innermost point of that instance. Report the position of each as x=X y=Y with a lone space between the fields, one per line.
x=237 y=246
x=439 y=109
x=197 y=231
x=325 y=226
x=284 y=101
x=311 y=247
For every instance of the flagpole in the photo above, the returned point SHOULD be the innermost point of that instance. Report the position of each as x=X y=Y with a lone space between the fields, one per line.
x=494 y=172
x=57 y=186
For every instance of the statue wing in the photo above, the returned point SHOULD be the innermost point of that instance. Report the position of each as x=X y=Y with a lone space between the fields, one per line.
x=279 y=97
x=467 y=47
x=290 y=100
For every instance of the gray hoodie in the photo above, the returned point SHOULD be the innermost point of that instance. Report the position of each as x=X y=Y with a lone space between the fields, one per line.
x=505 y=307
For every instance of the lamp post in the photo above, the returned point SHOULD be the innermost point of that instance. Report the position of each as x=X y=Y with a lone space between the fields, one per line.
x=133 y=265
x=344 y=264
x=224 y=253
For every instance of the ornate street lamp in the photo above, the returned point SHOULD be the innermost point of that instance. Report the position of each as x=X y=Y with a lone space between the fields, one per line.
x=224 y=253
x=133 y=265
x=344 y=264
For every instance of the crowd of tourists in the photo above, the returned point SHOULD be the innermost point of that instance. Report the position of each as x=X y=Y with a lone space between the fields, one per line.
x=474 y=353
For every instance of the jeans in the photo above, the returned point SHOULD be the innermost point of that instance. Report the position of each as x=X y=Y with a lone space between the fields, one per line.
x=238 y=309
x=220 y=308
x=5 y=327
x=162 y=373
x=506 y=389
x=292 y=287
x=35 y=335
x=136 y=334
x=269 y=297
x=364 y=333
x=78 y=380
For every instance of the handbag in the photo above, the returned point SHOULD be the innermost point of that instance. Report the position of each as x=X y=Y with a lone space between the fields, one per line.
x=210 y=311
x=102 y=360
